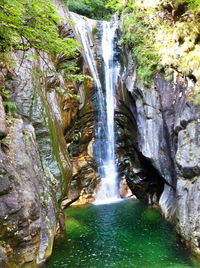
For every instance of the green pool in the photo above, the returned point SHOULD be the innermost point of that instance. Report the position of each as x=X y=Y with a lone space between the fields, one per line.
x=119 y=235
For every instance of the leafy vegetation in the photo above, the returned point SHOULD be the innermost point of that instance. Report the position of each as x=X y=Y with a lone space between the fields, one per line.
x=121 y=4
x=193 y=4
x=8 y=104
x=95 y=9
x=138 y=37
x=5 y=142
x=163 y=37
x=32 y=24
x=71 y=73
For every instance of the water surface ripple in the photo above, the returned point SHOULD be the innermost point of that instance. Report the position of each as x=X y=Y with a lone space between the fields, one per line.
x=119 y=235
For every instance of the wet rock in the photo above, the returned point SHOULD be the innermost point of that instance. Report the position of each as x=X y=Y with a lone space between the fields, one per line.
x=80 y=139
x=124 y=190
x=23 y=196
x=187 y=210
x=84 y=180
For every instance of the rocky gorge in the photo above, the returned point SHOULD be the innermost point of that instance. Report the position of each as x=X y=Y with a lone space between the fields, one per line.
x=47 y=155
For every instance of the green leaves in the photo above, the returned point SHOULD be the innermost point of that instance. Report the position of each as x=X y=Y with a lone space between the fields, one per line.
x=10 y=106
x=26 y=24
x=163 y=37
x=32 y=24
x=95 y=9
x=193 y=4
x=137 y=36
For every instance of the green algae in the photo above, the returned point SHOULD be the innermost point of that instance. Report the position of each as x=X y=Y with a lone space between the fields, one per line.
x=57 y=144
x=76 y=228
x=151 y=215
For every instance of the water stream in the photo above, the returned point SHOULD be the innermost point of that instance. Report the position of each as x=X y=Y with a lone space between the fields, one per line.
x=105 y=81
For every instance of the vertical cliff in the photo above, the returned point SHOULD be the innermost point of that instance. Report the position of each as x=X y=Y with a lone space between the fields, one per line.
x=158 y=147
x=35 y=170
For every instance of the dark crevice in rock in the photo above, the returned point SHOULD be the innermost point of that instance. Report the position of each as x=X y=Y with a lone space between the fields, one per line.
x=143 y=178
x=191 y=76
x=180 y=10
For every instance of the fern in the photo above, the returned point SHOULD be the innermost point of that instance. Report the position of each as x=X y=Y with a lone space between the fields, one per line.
x=10 y=106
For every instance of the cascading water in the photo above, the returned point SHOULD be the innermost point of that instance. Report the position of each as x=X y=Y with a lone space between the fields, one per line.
x=108 y=191
x=104 y=146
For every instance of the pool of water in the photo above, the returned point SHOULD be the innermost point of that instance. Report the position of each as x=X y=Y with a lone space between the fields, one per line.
x=119 y=235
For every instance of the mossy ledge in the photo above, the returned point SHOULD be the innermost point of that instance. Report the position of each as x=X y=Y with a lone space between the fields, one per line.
x=164 y=38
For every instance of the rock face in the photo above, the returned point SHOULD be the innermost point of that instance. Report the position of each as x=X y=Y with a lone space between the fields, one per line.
x=158 y=148
x=35 y=170
x=80 y=144
x=28 y=211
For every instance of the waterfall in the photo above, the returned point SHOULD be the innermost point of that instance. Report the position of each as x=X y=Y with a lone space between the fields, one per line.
x=108 y=191
x=104 y=146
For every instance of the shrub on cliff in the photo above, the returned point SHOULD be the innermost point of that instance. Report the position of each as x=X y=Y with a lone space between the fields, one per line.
x=32 y=24
x=95 y=9
x=163 y=36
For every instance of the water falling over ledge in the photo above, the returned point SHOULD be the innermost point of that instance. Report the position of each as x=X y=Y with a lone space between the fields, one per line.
x=104 y=146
